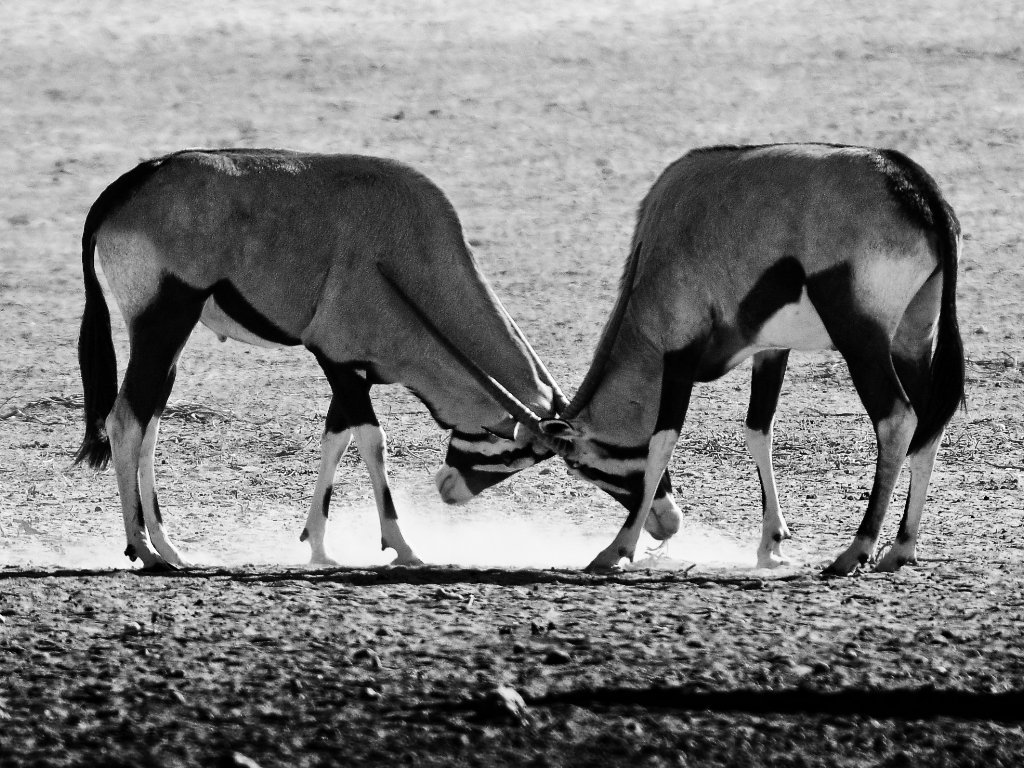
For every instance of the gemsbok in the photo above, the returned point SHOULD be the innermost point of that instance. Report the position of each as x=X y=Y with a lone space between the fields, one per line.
x=274 y=248
x=758 y=250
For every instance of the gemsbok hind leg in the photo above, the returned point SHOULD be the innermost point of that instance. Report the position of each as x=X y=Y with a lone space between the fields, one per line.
x=157 y=336
x=874 y=377
x=147 y=483
x=768 y=372
x=351 y=416
x=912 y=357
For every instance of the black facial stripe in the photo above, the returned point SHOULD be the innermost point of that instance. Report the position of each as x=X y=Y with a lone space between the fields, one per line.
x=612 y=451
x=462 y=459
x=630 y=483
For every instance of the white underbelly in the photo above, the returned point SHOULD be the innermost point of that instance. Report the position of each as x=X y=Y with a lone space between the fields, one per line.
x=795 y=326
x=220 y=323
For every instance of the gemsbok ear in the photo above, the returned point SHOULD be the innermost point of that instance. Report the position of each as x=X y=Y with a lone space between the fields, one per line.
x=559 y=428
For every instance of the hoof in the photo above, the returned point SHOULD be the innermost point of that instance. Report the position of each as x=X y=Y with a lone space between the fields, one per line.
x=772 y=560
x=607 y=561
x=409 y=560
x=159 y=566
x=894 y=560
x=323 y=559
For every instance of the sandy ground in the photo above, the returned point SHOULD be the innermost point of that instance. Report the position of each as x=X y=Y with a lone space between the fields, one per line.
x=545 y=128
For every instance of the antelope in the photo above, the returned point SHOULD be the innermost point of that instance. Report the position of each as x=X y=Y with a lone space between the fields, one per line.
x=743 y=251
x=279 y=248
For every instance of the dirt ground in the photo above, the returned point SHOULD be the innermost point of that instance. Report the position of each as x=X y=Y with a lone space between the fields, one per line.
x=545 y=127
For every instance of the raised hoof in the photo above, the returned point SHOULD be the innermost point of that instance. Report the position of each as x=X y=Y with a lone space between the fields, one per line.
x=664 y=521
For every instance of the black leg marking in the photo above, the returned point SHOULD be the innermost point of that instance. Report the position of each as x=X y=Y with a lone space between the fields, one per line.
x=157 y=336
x=676 y=386
x=767 y=375
x=350 y=404
x=304 y=535
x=139 y=516
x=389 y=505
x=129 y=552
x=328 y=491
x=156 y=509
x=664 y=486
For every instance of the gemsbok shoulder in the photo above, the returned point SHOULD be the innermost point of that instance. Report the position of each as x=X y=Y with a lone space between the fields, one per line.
x=272 y=248
x=758 y=250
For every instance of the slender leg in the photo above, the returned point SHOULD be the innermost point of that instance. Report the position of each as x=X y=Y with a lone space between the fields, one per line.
x=894 y=420
x=769 y=370
x=147 y=484
x=675 y=399
x=333 y=448
x=915 y=375
x=904 y=549
x=371 y=441
x=157 y=337
x=351 y=416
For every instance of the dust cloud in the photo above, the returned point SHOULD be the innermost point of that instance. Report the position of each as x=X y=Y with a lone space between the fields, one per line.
x=485 y=536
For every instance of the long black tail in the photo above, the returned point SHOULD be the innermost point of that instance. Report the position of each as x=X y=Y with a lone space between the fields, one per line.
x=947 y=374
x=96 y=359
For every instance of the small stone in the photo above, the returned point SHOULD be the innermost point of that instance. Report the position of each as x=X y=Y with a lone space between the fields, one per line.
x=555 y=656
x=369 y=655
x=238 y=760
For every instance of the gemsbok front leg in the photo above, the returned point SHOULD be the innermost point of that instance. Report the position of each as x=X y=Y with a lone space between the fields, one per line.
x=334 y=445
x=768 y=372
x=351 y=416
x=675 y=401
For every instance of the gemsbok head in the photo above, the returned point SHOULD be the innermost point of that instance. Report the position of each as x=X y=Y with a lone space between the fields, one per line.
x=275 y=248
x=758 y=250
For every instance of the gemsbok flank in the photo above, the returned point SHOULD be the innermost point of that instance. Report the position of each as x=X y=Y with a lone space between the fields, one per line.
x=758 y=250
x=277 y=248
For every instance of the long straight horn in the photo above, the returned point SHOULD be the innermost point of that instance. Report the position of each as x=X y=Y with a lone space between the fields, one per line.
x=559 y=400
x=502 y=396
x=604 y=349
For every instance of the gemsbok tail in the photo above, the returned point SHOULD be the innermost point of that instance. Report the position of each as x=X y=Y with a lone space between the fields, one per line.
x=96 y=357
x=947 y=374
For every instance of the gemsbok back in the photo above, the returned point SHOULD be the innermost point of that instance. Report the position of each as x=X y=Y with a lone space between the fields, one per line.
x=758 y=250
x=276 y=248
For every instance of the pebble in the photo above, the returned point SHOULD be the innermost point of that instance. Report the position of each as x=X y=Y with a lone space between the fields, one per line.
x=555 y=656
x=369 y=655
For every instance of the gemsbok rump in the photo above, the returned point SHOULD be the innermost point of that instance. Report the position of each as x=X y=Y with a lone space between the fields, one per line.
x=758 y=250
x=276 y=248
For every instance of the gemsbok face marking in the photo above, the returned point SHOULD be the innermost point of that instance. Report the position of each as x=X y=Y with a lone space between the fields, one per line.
x=742 y=251
x=278 y=248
